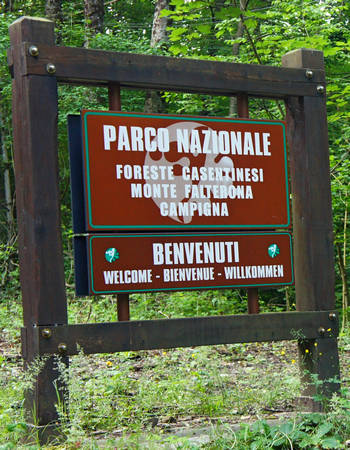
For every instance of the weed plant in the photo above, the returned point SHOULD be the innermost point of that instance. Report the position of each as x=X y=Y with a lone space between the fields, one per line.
x=139 y=391
x=121 y=400
x=175 y=304
x=306 y=431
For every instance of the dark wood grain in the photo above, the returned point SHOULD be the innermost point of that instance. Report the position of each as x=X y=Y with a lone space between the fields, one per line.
x=311 y=198
x=319 y=357
x=312 y=226
x=38 y=210
x=170 y=333
x=37 y=195
x=29 y=29
x=114 y=103
x=252 y=293
x=81 y=66
x=114 y=97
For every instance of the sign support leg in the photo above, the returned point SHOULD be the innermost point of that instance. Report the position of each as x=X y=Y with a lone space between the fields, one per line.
x=123 y=303
x=253 y=294
x=38 y=216
x=312 y=222
x=318 y=358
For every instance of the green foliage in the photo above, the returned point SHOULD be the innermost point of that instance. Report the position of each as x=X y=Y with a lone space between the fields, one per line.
x=194 y=24
x=187 y=304
x=175 y=304
x=5 y=120
x=151 y=396
x=139 y=391
x=206 y=30
x=270 y=30
x=14 y=427
x=9 y=270
x=156 y=392
x=310 y=431
x=145 y=390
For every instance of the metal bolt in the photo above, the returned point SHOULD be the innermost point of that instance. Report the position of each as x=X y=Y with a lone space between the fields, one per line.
x=62 y=347
x=320 y=89
x=46 y=333
x=322 y=331
x=33 y=50
x=50 y=68
x=309 y=74
x=332 y=316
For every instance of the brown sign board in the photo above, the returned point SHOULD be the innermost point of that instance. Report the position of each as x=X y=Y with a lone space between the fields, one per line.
x=163 y=172
x=161 y=262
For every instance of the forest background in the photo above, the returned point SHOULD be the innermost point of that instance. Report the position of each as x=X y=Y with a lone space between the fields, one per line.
x=243 y=31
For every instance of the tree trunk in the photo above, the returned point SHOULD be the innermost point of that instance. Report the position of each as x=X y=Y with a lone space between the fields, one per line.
x=94 y=14
x=8 y=6
x=342 y=260
x=235 y=51
x=7 y=186
x=153 y=102
x=53 y=10
x=159 y=23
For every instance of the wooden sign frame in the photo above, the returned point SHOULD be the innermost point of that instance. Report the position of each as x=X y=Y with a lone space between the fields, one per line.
x=37 y=66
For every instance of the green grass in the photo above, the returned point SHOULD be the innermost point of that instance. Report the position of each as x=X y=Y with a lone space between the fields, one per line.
x=123 y=400
x=148 y=386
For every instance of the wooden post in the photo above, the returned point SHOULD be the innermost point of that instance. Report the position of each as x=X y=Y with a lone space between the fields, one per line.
x=312 y=219
x=114 y=99
x=38 y=211
x=253 y=295
x=242 y=106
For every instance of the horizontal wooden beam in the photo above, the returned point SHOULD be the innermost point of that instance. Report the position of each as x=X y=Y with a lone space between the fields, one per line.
x=86 y=66
x=187 y=332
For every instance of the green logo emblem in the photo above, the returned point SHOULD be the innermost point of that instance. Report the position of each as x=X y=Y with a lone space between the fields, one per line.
x=273 y=250
x=111 y=255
